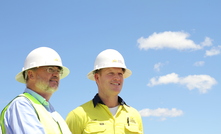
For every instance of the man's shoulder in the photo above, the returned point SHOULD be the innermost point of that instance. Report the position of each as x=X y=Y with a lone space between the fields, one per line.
x=88 y=104
x=81 y=110
x=19 y=101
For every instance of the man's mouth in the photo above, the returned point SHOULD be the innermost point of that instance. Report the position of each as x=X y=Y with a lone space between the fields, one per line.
x=115 y=84
x=54 y=81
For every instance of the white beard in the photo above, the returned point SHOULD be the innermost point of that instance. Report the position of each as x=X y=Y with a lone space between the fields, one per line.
x=44 y=86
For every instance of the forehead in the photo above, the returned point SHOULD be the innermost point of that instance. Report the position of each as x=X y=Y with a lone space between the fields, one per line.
x=113 y=69
x=51 y=67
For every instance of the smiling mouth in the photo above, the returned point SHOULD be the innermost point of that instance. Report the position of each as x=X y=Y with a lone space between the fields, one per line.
x=117 y=84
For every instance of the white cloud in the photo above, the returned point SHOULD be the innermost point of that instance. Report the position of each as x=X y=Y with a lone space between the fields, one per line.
x=199 y=63
x=201 y=82
x=168 y=39
x=170 y=78
x=213 y=51
x=207 y=42
x=163 y=113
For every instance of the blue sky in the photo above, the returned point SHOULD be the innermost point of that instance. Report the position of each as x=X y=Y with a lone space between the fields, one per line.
x=172 y=47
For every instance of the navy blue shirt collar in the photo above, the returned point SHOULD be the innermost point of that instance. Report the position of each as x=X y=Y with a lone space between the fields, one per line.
x=97 y=100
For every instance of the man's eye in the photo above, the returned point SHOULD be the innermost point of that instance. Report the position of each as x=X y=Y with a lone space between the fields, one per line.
x=110 y=73
x=50 y=69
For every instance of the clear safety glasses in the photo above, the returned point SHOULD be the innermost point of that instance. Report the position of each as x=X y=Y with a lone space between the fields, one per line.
x=54 y=70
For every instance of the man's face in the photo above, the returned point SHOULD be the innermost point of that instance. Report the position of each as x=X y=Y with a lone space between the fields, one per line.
x=110 y=81
x=47 y=78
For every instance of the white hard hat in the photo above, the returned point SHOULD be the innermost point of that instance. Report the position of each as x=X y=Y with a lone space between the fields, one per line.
x=109 y=58
x=42 y=56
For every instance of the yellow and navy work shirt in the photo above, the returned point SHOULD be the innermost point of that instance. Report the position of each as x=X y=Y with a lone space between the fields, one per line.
x=95 y=117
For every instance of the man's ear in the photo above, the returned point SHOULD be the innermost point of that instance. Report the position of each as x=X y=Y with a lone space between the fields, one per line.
x=30 y=74
x=96 y=76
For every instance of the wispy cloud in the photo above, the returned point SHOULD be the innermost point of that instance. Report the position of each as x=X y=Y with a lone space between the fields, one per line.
x=169 y=39
x=201 y=82
x=199 y=63
x=207 y=42
x=158 y=66
x=163 y=113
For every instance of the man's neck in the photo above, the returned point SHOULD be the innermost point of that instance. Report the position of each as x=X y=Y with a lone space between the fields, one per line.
x=109 y=101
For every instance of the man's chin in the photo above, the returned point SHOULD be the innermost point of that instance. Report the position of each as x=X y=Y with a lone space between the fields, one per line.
x=52 y=89
x=54 y=86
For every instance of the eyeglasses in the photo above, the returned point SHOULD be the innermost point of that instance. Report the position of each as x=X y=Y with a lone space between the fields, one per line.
x=53 y=70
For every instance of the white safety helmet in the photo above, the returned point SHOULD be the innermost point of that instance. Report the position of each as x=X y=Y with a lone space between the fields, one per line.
x=42 y=56
x=109 y=58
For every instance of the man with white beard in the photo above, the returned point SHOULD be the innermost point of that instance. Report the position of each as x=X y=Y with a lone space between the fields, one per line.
x=31 y=112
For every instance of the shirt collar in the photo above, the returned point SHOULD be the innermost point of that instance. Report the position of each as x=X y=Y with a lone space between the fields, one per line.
x=41 y=99
x=97 y=100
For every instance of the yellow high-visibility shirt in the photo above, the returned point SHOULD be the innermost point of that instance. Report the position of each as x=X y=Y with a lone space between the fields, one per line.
x=89 y=118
